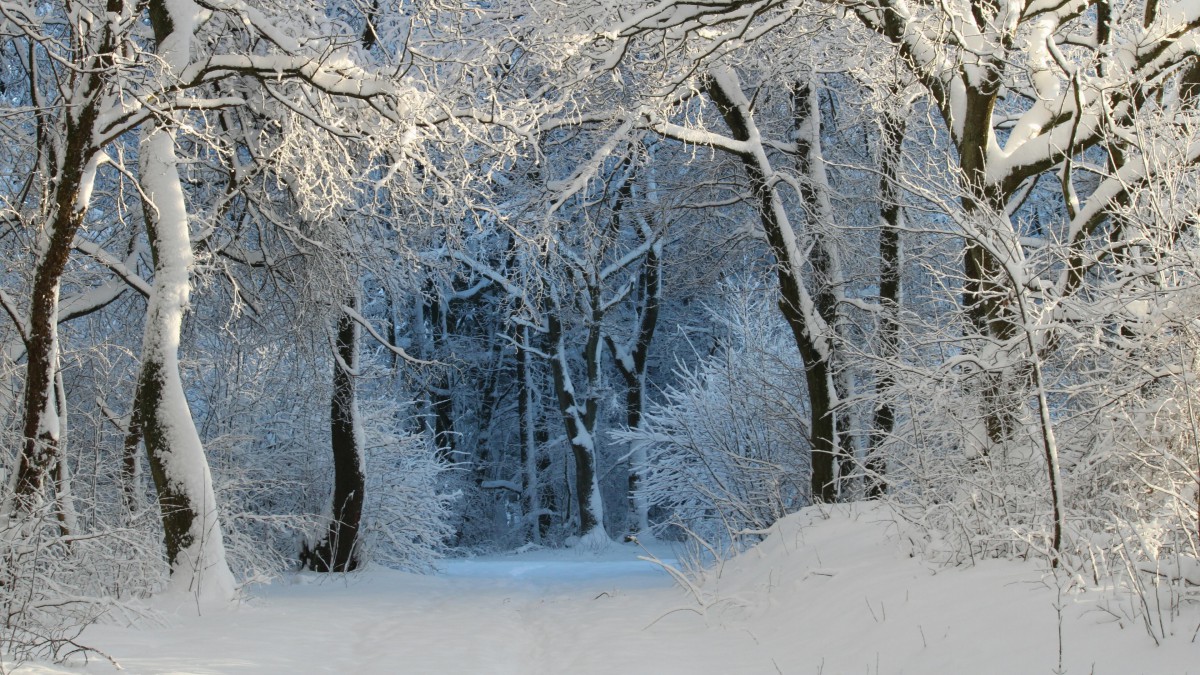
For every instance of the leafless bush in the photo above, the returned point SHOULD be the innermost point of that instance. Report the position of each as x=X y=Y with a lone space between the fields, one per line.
x=726 y=455
x=54 y=585
x=407 y=518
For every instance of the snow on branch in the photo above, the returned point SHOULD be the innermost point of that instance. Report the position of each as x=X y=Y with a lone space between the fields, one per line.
x=123 y=270
x=254 y=18
x=501 y=485
x=398 y=351
x=701 y=137
x=514 y=291
x=91 y=300
x=579 y=180
x=332 y=76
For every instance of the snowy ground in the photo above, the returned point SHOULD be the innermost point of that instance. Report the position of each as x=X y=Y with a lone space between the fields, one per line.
x=824 y=595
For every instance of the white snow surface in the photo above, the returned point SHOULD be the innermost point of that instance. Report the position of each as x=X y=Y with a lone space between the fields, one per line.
x=830 y=591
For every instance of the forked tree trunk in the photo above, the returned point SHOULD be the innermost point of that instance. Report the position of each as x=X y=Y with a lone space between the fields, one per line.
x=75 y=175
x=579 y=419
x=826 y=278
x=800 y=309
x=632 y=359
x=631 y=362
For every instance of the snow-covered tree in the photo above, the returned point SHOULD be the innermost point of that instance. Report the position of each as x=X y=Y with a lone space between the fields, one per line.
x=172 y=77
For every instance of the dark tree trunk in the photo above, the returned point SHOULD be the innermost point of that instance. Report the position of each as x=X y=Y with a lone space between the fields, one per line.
x=987 y=297
x=130 y=464
x=484 y=463
x=530 y=470
x=809 y=163
x=441 y=402
x=579 y=419
x=549 y=498
x=338 y=550
x=631 y=361
x=392 y=334
x=813 y=347
x=890 y=217
x=39 y=449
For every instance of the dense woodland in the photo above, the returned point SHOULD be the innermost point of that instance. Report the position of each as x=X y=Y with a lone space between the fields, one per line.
x=343 y=282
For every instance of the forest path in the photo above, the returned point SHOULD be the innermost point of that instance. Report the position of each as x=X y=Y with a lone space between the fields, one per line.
x=514 y=614
x=544 y=612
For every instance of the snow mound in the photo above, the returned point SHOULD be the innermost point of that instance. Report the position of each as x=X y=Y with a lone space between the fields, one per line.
x=837 y=590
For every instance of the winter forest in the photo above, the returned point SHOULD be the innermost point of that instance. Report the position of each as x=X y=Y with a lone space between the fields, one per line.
x=304 y=287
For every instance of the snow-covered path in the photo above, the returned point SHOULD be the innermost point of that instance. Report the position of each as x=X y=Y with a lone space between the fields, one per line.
x=546 y=612
x=828 y=593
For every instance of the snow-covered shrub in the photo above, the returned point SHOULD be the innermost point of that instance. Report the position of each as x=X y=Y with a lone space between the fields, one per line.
x=264 y=440
x=63 y=569
x=406 y=515
x=973 y=496
x=726 y=454
x=260 y=499
x=971 y=504
x=36 y=620
x=1117 y=366
x=1135 y=411
x=1134 y=463
x=268 y=444
x=53 y=584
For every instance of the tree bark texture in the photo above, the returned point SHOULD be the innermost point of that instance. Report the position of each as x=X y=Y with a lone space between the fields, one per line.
x=74 y=164
x=338 y=551
x=632 y=360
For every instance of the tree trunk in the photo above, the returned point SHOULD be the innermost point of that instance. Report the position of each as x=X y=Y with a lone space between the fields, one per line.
x=631 y=362
x=192 y=533
x=338 y=551
x=826 y=276
x=71 y=192
x=64 y=494
x=131 y=479
x=579 y=418
x=191 y=528
x=799 y=308
x=441 y=403
x=526 y=407
x=890 y=223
